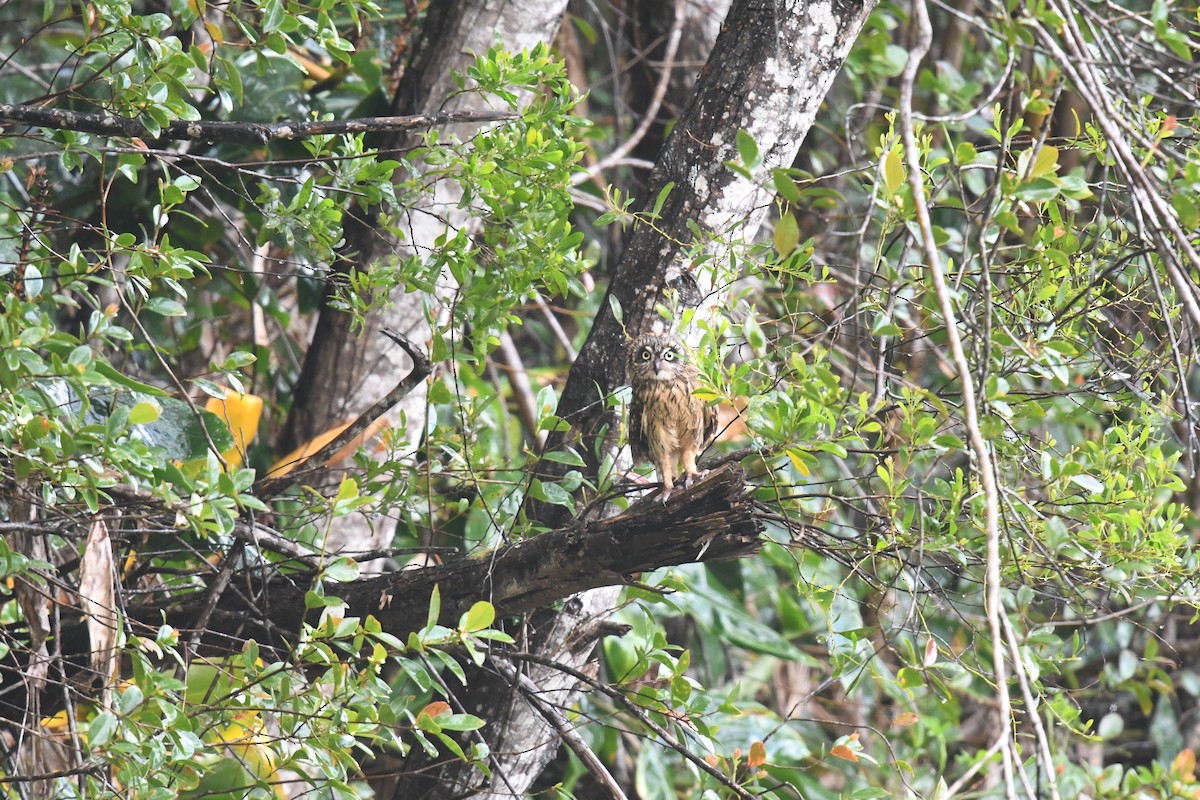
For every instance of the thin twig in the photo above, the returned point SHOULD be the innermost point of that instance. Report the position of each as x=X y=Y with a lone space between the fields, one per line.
x=633 y=708
x=518 y=378
x=1032 y=711
x=961 y=783
x=660 y=92
x=212 y=596
x=555 y=326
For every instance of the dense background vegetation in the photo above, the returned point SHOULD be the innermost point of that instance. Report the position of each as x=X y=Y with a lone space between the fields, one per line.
x=908 y=628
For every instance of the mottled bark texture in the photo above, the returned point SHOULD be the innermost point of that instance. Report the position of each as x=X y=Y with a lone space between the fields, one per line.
x=346 y=371
x=767 y=75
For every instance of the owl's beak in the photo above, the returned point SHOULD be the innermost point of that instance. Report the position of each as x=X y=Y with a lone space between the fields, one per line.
x=658 y=366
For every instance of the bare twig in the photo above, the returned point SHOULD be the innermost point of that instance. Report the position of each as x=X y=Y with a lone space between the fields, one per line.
x=229 y=132
x=518 y=378
x=212 y=596
x=555 y=326
x=923 y=35
x=1032 y=711
x=961 y=783
x=660 y=92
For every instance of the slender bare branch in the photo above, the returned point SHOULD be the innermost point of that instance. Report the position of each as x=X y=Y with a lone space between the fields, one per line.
x=923 y=36
x=566 y=730
x=229 y=132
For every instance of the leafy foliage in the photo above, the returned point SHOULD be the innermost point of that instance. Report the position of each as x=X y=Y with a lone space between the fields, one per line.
x=852 y=658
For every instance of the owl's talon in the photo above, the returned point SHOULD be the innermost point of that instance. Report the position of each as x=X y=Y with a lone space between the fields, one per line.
x=666 y=495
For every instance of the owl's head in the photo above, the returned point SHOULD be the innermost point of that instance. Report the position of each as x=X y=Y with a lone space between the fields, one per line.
x=655 y=356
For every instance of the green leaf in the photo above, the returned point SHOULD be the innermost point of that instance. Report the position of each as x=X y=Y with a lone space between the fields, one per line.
x=786 y=235
x=893 y=172
x=747 y=149
x=550 y=492
x=1185 y=207
x=785 y=186
x=435 y=607
x=102 y=729
x=1111 y=726
x=1089 y=483
x=567 y=456
x=108 y=371
x=145 y=412
x=166 y=307
x=480 y=616
x=662 y=198
x=342 y=570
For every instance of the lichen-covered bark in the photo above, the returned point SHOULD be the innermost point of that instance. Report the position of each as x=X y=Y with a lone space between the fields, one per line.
x=767 y=75
x=346 y=371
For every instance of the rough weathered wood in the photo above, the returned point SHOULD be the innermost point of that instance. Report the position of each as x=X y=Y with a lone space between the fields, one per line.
x=711 y=521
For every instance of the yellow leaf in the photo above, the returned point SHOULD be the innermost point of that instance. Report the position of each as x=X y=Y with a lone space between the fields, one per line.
x=893 y=171
x=758 y=755
x=58 y=723
x=241 y=413
x=246 y=741
x=215 y=32
x=1046 y=162
x=798 y=463
x=1183 y=768
x=905 y=719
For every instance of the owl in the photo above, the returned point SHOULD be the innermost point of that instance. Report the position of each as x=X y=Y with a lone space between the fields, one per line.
x=667 y=423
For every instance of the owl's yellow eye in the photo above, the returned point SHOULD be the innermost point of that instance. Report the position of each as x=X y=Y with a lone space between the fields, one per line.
x=645 y=355
x=669 y=355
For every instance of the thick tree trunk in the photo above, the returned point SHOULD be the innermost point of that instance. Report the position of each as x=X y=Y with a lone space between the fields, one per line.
x=346 y=371
x=767 y=75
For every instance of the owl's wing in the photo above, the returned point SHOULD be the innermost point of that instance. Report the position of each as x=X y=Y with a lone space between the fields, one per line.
x=637 y=436
x=709 y=427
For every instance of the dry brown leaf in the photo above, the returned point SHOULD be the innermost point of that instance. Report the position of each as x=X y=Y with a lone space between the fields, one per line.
x=1183 y=768
x=97 y=599
x=758 y=755
x=841 y=751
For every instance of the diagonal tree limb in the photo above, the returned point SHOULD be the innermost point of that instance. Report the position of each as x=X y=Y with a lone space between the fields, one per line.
x=269 y=486
x=533 y=695
x=637 y=711
x=254 y=133
x=767 y=75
